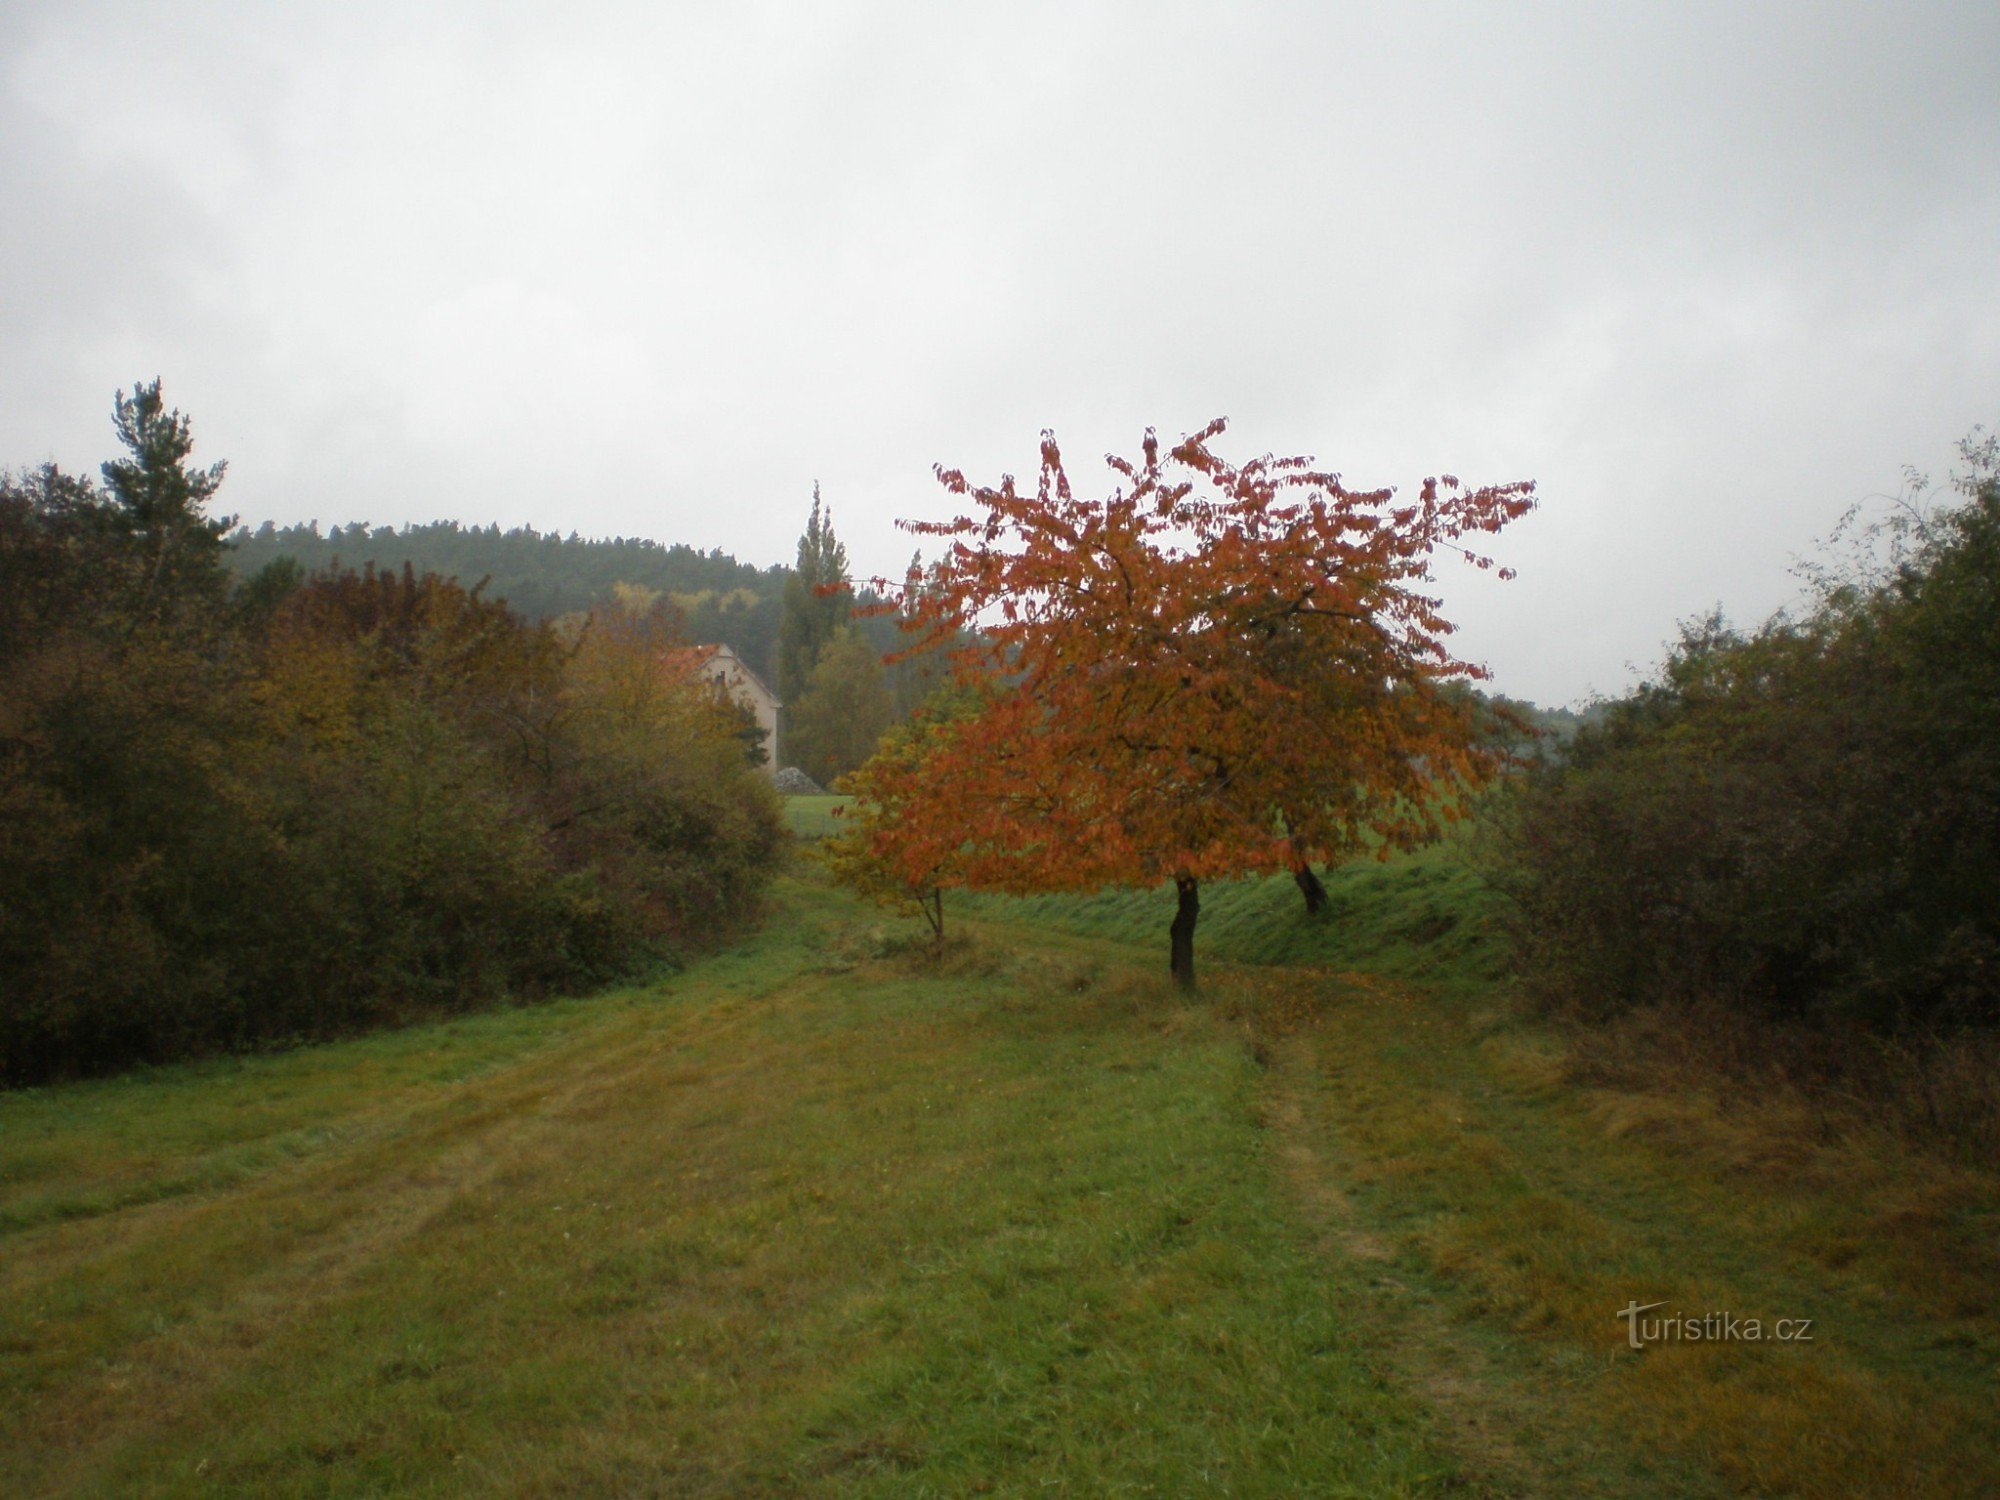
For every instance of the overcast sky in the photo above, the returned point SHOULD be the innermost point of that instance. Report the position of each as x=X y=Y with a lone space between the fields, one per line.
x=1710 y=273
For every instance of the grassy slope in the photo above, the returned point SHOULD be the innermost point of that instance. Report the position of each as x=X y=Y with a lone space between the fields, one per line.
x=1422 y=917
x=1431 y=1128
x=794 y=1221
x=815 y=1217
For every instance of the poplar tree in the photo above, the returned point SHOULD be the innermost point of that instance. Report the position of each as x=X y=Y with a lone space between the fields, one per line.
x=817 y=601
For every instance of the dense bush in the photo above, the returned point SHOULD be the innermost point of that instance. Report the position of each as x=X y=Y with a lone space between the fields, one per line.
x=1803 y=820
x=232 y=815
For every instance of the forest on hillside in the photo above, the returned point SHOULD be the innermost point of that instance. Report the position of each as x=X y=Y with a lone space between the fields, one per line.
x=545 y=575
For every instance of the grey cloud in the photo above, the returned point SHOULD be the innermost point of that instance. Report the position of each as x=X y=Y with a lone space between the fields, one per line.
x=1709 y=272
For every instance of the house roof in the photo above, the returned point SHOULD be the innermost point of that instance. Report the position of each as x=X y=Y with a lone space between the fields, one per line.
x=688 y=660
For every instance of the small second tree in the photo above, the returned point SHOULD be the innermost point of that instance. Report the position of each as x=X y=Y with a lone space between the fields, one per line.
x=886 y=849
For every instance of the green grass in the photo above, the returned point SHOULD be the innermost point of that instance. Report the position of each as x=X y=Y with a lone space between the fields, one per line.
x=813 y=817
x=1516 y=1212
x=1432 y=1131
x=801 y=1220
x=1423 y=917
x=821 y=1215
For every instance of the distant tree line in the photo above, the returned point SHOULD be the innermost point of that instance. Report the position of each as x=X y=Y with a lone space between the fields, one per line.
x=545 y=575
x=245 y=809
x=781 y=621
x=1799 y=822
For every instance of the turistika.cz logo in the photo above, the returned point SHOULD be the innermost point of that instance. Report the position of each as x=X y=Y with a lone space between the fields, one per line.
x=1708 y=1328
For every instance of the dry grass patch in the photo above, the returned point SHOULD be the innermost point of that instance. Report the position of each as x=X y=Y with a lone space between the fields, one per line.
x=1523 y=1212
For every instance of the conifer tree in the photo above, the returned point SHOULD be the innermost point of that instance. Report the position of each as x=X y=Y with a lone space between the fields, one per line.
x=161 y=501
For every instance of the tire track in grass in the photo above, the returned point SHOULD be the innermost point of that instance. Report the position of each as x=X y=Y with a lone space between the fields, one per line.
x=1519 y=1222
x=1486 y=1416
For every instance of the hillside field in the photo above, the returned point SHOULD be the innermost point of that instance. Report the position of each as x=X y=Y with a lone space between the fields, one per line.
x=825 y=1215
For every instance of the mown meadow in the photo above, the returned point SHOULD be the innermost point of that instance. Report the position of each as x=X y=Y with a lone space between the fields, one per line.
x=827 y=1213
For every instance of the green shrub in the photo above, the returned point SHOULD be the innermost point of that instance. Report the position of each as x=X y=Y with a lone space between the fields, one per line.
x=322 y=804
x=1804 y=820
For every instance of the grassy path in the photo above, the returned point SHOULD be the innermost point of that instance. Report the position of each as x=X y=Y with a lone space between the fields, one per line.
x=1512 y=1216
x=1428 y=1130
x=815 y=1217
x=797 y=1222
x=1508 y=1212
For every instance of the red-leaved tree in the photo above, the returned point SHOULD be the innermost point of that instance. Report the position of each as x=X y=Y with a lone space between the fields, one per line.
x=1215 y=670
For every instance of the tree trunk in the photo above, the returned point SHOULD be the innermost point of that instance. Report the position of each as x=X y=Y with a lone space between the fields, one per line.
x=933 y=909
x=1310 y=888
x=1182 y=932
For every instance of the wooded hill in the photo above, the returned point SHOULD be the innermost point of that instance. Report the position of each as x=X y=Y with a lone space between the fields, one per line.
x=542 y=575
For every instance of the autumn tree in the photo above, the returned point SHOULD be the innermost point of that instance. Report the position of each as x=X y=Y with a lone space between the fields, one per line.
x=1215 y=670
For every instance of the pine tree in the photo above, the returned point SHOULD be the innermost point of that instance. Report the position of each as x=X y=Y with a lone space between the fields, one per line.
x=161 y=502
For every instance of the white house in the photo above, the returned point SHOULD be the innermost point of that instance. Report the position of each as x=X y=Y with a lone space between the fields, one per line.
x=723 y=667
